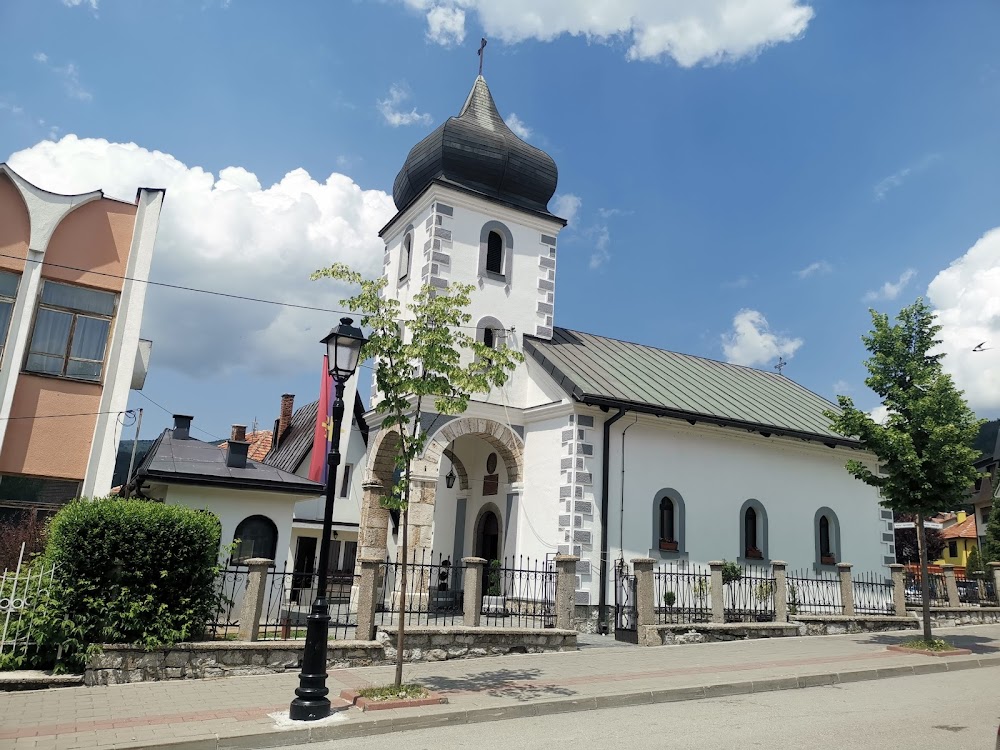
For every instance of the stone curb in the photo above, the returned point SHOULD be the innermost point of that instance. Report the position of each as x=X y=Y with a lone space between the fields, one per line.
x=386 y=725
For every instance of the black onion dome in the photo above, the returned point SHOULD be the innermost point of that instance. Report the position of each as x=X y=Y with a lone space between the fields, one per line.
x=477 y=151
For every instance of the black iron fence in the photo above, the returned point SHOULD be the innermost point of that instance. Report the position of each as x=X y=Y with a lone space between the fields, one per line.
x=434 y=594
x=814 y=593
x=873 y=594
x=936 y=586
x=287 y=600
x=682 y=594
x=519 y=593
x=975 y=590
x=748 y=593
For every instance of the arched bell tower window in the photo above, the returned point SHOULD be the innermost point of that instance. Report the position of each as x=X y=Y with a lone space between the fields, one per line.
x=405 y=255
x=489 y=338
x=490 y=331
x=496 y=244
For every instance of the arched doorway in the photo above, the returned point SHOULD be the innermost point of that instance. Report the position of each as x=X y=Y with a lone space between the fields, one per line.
x=488 y=535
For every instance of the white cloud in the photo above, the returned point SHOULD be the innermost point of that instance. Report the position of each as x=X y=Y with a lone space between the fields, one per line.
x=389 y=107
x=516 y=124
x=567 y=206
x=14 y=109
x=890 y=289
x=893 y=181
x=690 y=32
x=70 y=76
x=741 y=283
x=446 y=25
x=751 y=342
x=92 y=4
x=229 y=234
x=819 y=267
x=968 y=310
x=602 y=246
x=607 y=213
x=880 y=414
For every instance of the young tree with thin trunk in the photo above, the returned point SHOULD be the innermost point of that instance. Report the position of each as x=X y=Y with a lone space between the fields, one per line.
x=925 y=448
x=424 y=358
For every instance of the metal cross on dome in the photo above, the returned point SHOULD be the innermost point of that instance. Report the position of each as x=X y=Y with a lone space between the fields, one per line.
x=781 y=364
x=482 y=46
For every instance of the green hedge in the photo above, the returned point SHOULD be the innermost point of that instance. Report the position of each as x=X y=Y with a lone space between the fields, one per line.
x=128 y=571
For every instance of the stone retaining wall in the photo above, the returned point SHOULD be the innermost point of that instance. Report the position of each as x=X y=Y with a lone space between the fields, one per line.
x=841 y=624
x=118 y=664
x=947 y=617
x=707 y=632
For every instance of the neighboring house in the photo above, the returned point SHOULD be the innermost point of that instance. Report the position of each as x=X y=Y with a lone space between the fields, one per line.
x=292 y=452
x=72 y=273
x=254 y=501
x=260 y=444
x=595 y=447
x=984 y=492
x=959 y=534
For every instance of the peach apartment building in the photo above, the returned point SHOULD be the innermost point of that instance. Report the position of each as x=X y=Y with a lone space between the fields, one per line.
x=72 y=289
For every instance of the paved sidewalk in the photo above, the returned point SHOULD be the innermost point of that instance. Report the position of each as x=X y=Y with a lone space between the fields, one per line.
x=234 y=711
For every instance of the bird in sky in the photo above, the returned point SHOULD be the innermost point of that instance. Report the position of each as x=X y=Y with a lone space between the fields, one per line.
x=981 y=347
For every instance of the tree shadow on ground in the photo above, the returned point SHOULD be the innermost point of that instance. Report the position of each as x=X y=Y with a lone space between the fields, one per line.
x=514 y=684
x=975 y=643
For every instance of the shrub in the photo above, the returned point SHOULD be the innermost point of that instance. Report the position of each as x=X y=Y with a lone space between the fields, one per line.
x=669 y=598
x=20 y=528
x=731 y=572
x=493 y=579
x=128 y=571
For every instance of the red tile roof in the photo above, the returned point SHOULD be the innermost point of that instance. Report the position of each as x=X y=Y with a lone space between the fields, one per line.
x=964 y=530
x=260 y=444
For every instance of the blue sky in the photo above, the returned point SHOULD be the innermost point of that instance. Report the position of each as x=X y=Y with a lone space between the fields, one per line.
x=740 y=189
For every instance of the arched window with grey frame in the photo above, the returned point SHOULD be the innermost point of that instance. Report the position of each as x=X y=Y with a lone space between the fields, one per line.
x=490 y=331
x=753 y=531
x=826 y=531
x=256 y=536
x=496 y=246
x=405 y=256
x=668 y=525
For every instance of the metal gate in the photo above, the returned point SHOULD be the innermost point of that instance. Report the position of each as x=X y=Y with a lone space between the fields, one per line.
x=625 y=613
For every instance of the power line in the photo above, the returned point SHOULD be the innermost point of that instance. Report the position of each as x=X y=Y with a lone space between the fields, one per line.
x=171 y=413
x=59 y=416
x=212 y=292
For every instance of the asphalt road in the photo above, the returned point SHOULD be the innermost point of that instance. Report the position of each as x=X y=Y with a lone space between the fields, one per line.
x=957 y=711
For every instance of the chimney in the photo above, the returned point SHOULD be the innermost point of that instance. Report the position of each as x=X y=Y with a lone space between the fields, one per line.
x=182 y=427
x=237 y=447
x=960 y=517
x=285 y=417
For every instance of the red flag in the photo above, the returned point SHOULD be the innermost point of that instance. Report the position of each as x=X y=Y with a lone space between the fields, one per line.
x=323 y=435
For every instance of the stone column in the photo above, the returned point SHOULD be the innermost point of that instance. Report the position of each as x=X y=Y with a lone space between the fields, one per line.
x=898 y=573
x=565 y=590
x=846 y=588
x=950 y=585
x=472 y=590
x=420 y=537
x=716 y=592
x=374 y=522
x=368 y=585
x=645 y=594
x=780 y=591
x=253 y=600
x=995 y=570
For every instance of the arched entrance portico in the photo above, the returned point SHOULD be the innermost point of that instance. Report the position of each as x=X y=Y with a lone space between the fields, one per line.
x=425 y=475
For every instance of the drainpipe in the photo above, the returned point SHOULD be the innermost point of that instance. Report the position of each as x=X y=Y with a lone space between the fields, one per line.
x=621 y=516
x=605 y=503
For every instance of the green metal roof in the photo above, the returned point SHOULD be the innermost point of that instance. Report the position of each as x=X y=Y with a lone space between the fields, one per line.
x=606 y=372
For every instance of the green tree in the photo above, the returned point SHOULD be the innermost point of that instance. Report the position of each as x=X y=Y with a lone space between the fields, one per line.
x=991 y=544
x=925 y=448
x=974 y=566
x=428 y=362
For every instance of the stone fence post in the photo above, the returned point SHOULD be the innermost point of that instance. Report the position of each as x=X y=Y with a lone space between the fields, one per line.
x=716 y=592
x=472 y=588
x=897 y=571
x=950 y=585
x=846 y=588
x=253 y=600
x=780 y=591
x=368 y=583
x=565 y=590
x=995 y=569
x=645 y=596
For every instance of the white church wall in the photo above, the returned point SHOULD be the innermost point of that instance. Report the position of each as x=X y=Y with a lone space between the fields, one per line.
x=540 y=505
x=715 y=470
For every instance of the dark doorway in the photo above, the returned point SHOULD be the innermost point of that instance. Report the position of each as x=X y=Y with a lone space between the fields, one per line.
x=305 y=565
x=488 y=536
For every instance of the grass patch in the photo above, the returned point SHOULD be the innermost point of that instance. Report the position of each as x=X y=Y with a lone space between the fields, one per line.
x=392 y=693
x=936 y=645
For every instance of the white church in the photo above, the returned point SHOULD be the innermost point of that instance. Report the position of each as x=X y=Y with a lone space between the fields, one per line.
x=595 y=447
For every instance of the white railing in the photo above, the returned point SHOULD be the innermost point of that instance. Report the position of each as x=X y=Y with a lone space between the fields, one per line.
x=19 y=589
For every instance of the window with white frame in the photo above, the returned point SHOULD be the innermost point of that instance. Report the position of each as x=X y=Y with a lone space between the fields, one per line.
x=70 y=334
x=8 y=292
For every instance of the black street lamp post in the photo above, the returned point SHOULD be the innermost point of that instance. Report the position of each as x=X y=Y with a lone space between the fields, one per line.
x=343 y=345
